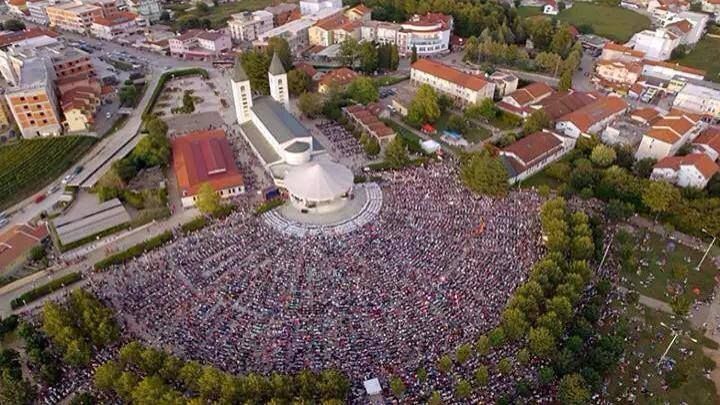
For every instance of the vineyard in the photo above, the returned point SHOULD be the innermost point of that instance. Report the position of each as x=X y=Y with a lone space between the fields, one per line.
x=28 y=165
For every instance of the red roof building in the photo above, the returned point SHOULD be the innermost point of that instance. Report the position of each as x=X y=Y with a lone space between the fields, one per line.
x=708 y=142
x=464 y=88
x=205 y=157
x=693 y=170
x=16 y=243
x=532 y=153
x=365 y=118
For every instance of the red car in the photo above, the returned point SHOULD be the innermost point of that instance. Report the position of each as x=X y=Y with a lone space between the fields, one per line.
x=39 y=198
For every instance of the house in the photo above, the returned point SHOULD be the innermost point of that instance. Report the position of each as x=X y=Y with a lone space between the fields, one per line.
x=519 y=101
x=708 y=142
x=333 y=30
x=16 y=242
x=463 y=88
x=657 y=45
x=616 y=74
x=205 y=157
x=340 y=77
x=296 y=31
x=689 y=25
x=693 y=170
x=668 y=134
x=614 y=52
x=551 y=7
x=365 y=118
x=308 y=7
x=359 y=13
x=427 y=34
x=711 y=6
x=505 y=83
x=534 y=152
x=198 y=44
x=645 y=116
x=592 y=118
x=118 y=26
x=247 y=26
x=309 y=70
x=699 y=96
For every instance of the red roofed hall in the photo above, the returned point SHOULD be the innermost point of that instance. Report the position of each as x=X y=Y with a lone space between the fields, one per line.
x=16 y=242
x=592 y=118
x=205 y=157
x=532 y=153
x=693 y=170
x=708 y=142
x=464 y=88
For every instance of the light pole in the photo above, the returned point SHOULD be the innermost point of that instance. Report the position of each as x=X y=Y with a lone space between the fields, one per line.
x=708 y=249
x=675 y=336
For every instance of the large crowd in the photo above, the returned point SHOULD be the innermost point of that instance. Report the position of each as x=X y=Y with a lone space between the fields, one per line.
x=341 y=140
x=432 y=272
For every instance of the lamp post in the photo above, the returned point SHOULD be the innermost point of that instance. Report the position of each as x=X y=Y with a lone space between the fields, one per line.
x=708 y=249
x=675 y=336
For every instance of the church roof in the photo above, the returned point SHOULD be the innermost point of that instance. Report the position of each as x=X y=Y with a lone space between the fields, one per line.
x=282 y=125
x=239 y=74
x=276 y=66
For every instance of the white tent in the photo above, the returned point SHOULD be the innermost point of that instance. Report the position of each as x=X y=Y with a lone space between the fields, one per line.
x=319 y=181
x=372 y=387
x=430 y=146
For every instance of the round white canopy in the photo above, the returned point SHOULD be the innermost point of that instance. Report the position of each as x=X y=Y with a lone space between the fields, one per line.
x=319 y=180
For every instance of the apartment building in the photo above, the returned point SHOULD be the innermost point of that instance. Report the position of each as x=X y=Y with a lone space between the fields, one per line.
x=699 y=96
x=668 y=134
x=73 y=16
x=117 y=26
x=592 y=118
x=534 y=152
x=248 y=26
x=657 y=45
x=38 y=11
x=149 y=11
x=463 y=88
x=333 y=30
x=195 y=44
x=693 y=170
x=33 y=102
x=428 y=34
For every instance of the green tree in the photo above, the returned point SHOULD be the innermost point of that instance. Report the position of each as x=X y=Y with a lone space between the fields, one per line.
x=514 y=323
x=425 y=106
x=414 y=55
x=394 y=57
x=504 y=366
x=462 y=389
x=537 y=121
x=565 y=82
x=497 y=337
x=150 y=390
x=368 y=55
x=561 y=306
x=106 y=375
x=363 y=90
x=572 y=390
x=396 y=153
x=14 y=25
x=484 y=174
x=421 y=374
x=130 y=354
x=481 y=376
x=310 y=104
x=298 y=82
x=16 y=391
x=349 y=52
x=549 y=62
x=125 y=385
x=482 y=345
x=435 y=398
x=463 y=353
x=370 y=144
x=256 y=65
x=128 y=95
x=562 y=41
x=644 y=167
x=541 y=342
x=280 y=46
x=603 y=156
x=37 y=253
x=659 y=196
x=445 y=363
x=546 y=375
x=165 y=16
x=151 y=360
x=680 y=305
x=397 y=386
x=208 y=200
x=523 y=356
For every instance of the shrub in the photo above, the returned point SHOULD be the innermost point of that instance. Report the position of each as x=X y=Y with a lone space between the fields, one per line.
x=45 y=289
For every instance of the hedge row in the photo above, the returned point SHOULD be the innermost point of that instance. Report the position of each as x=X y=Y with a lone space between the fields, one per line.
x=168 y=76
x=194 y=225
x=269 y=205
x=134 y=251
x=45 y=289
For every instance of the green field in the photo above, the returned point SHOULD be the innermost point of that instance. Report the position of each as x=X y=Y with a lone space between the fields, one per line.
x=28 y=165
x=219 y=14
x=616 y=23
x=528 y=11
x=705 y=56
x=646 y=343
x=654 y=275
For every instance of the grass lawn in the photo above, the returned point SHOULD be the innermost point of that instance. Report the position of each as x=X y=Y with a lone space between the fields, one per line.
x=505 y=121
x=539 y=179
x=473 y=134
x=389 y=80
x=528 y=11
x=616 y=23
x=705 y=56
x=646 y=343
x=26 y=166
x=220 y=14
x=654 y=274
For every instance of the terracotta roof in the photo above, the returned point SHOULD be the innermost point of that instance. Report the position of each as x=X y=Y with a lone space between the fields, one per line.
x=683 y=26
x=645 y=115
x=534 y=146
x=18 y=240
x=450 y=74
x=210 y=35
x=709 y=137
x=204 y=156
x=678 y=67
x=621 y=48
x=330 y=23
x=359 y=9
x=601 y=109
x=341 y=76
x=672 y=127
x=530 y=93
x=629 y=66
x=12 y=37
x=700 y=161
x=562 y=103
x=116 y=19
x=307 y=68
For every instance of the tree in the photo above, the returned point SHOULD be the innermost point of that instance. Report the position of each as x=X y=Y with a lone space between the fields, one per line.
x=463 y=353
x=445 y=363
x=561 y=306
x=396 y=153
x=397 y=386
x=565 y=82
x=537 y=121
x=481 y=375
x=562 y=41
x=421 y=374
x=659 y=196
x=310 y=104
x=456 y=123
x=680 y=305
x=546 y=375
x=603 y=156
x=125 y=385
x=414 y=55
x=208 y=200
x=425 y=106
x=202 y=8
x=462 y=389
x=541 y=342
x=370 y=144
x=548 y=62
x=349 y=50
x=368 y=56
x=484 y=174
x=280 y=46
x=37 y=253
x=482 y=345
x=363 y=90
x=435 y=398
x=514 y=323
x=256 y=65
x=15 y=390
x=394 y=57
x=298 y=82
x=165 y=16
x=106 y=375
x=153 y=149
x=128 y=95
x=14 y=25
x=504 y=366
x=497 y=337
x=573 y=391
x=523 y=356
x=644 y=167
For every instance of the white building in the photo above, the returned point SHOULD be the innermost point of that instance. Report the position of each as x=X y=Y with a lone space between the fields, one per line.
x=666 y=136
x=308 y=7
x=693 y=170
x=657 y=45
x=534 y=152
x=700 y=97
x=118 y=26
x=296 y=32
x=708 y=142
x=148 y=10
x=319 y=186
x=248 y=26
x=592 y=118
x=195 y=44
x=463 y=88
x=692 y=26
x=505 y=83
x=666 y=71
x=428 y=34
x=277 y=78
x=38 y=12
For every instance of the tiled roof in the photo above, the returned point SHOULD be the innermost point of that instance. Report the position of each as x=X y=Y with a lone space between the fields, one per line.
x=340 y=76
x=700 y=161
x=621 y=48
x=204 y=156
x=709 y=137
x=116 y=19
x=683 y=26
x=646 y=115
x=534 y=146
x=12 y=37
x=629 y=66
x=678 y=67
x=672 y=127
x=17 y=241
x=601 y=109
x=562 y=103
x=450 y=74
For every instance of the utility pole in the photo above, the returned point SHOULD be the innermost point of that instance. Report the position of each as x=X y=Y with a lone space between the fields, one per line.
x=707 y=251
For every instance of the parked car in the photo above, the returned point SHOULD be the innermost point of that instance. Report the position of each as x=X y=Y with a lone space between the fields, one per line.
x=77 y=170
x=39 y=198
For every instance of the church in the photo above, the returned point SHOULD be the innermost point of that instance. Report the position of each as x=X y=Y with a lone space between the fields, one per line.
x=277 y=137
